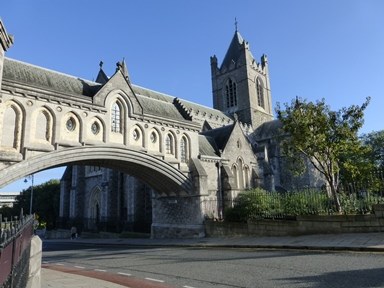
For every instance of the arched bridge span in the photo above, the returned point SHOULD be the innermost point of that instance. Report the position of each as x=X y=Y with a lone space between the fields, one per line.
x=160 y=175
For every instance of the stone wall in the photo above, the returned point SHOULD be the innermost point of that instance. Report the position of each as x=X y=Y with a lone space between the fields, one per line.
x=301 y=225
x=177 y=217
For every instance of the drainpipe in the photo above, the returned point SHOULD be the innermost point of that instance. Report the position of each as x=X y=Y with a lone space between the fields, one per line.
x=220 y=190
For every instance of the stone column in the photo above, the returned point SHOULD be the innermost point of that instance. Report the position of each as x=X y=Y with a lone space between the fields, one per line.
x=34 y=274
x=6 y=42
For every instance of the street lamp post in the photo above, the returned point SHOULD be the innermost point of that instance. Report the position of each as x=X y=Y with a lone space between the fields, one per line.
x=31 y=198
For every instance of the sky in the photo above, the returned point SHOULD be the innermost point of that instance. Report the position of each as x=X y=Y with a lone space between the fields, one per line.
x=331 y=49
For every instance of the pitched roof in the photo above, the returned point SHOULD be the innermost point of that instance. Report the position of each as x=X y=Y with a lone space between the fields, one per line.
x=153 y=102
x=101 y=78
x=233 y=52
x=267 y=130
x=214 y=117
x=220 y=135
x=44 y=78
x=207 y=146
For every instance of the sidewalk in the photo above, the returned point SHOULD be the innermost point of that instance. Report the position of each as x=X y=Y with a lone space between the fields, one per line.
x=368 y=242
x=57 y=279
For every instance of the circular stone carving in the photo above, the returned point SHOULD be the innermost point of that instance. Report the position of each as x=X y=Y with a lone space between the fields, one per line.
x=71 y=124
x=162 y=129
x=85 y=114
x=29 y=103
x=146 y=125
x=136 y=135
x=95 y=127
x=59 y=109
x=153 y=137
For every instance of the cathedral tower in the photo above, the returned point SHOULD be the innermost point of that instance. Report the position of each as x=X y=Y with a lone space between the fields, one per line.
x=241 y=85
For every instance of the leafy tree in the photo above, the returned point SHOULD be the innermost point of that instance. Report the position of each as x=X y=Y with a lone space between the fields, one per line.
x=375 y=140
x=7 y=212
x=323 y=136
x=46 y=201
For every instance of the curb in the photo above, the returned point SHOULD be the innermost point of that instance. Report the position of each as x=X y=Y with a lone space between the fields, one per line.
x=235 y=246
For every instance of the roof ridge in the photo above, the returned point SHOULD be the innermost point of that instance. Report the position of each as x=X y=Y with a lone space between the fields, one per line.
x=51 y=70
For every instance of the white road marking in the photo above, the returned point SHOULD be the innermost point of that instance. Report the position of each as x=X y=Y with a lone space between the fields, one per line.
x=100 y=270
x=188 y=287
x=125 y=274
x=155 y=280
x=60 y=264
x=80 y=267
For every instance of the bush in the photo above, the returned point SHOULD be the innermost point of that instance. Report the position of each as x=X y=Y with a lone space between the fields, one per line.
x=251 y=204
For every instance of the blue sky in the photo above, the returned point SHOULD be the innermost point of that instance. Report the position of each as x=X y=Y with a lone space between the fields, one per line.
x=332 y=49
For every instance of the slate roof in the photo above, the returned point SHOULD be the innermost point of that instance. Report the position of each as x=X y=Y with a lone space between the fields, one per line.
x=152 y=94
x=206 y=113
x=233 y=52
x=207 y=146
x=48 y=79
x=220 y=135
x=153 y=102
x=267 y=130
x=159 y=108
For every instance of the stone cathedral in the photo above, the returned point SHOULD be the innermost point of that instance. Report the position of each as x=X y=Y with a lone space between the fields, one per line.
x=236 y=144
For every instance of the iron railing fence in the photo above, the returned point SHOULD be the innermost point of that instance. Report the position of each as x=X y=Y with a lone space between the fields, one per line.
x=288 y=205
x=15 y=242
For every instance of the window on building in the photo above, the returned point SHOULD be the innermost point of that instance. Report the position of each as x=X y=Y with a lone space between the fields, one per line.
x=184 y=150
x=43 y=123
x=116 y=118
x=11 y=121
x=169 y=144
x=231 y=93
x=260 y=93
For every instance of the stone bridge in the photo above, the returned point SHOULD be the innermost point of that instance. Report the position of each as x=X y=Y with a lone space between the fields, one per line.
x=186 y=152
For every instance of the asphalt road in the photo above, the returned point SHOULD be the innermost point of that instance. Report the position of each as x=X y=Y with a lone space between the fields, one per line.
x=223 y=268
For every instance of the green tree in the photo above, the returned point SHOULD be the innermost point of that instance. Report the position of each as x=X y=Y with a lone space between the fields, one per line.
x=323 y=136
x=46 y=201
x=375 y=140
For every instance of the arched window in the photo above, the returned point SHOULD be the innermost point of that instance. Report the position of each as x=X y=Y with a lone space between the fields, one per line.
x=169 y=144
x=247 y=183
x=184 y=150
x=10 y=123
x=260 y=93
x=231 y=93
x=240 y=179
x=235 y=175
x=43 y=128
x=116 y=118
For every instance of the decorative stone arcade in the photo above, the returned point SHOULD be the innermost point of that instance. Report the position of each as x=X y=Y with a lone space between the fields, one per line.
x=194 y=157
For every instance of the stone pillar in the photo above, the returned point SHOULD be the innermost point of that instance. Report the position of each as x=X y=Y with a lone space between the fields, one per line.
x=6 y=42
x=34 y=276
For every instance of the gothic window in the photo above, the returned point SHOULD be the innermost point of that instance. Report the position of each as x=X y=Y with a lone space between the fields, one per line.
x=10 y=122
x=43 y=126
x=231 y=93
x=169 y=144
x=260 y=93
x=184 y=150
x=235 y=175
x=116 y=118
x=240 y=175
x=246 y=177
